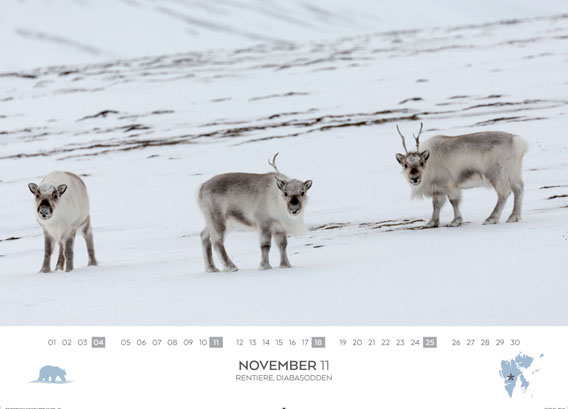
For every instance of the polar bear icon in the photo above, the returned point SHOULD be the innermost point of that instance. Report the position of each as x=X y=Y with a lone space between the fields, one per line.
x=51 y=373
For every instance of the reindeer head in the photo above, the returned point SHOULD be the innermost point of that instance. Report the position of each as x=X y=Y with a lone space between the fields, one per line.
x=46 y=198
x=294 y=192
x=413 y=163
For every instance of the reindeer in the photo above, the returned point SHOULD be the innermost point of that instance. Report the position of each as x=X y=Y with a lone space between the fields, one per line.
x=270 y=203
x=62 y=208
x=448 y=164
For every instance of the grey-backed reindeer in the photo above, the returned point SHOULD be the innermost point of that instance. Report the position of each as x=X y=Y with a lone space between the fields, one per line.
x=269 y=203
x=448 y=164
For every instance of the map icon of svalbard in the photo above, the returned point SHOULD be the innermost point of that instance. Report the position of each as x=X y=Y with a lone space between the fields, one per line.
x=517 y=373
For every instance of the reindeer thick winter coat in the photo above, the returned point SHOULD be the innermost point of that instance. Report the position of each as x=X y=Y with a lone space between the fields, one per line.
x=448 y=164
x=62 y=208
x=270 y=203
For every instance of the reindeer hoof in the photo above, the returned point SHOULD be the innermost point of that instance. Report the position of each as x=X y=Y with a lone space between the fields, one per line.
x=432 y=224
x=265 y=266
x=288 y=265
x=491 y=221
x=45 y=270
x=230 y=269
x=93 y=263
x=455 y=223
x=514 y=218
x=59 y=267
x=212 y=270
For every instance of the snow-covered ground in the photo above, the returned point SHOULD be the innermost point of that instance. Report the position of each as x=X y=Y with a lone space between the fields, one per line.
x=145 y=132
x=52 y=32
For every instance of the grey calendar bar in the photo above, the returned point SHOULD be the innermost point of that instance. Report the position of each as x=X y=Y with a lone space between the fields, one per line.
x=430 y=342
x=215 y=342
x=318 y=342
x=98 y=342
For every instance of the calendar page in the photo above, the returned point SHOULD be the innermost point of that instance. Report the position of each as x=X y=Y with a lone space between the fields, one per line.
x=284 y=367
x=283 y=204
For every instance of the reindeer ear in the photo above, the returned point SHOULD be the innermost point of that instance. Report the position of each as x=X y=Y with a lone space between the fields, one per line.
x=33 y=188
x=308 y=184
x=281 y=184
x=425 y=155
x=400 y=158
x=61 y=189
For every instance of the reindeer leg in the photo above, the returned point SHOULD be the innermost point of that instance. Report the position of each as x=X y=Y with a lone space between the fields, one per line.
x=88 y=236
x=455 y=199
x=61 y=259
x=438 y=201
x=207 y=251
x=265 y=241
x=227 y=262
x=48 y=250
x=516 y=213
x=282 y=242
x=69 y=252
x=503 y=192
x=496 y=213
x=218 y=239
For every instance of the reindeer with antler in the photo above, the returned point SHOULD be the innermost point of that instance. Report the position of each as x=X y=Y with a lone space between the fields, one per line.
x=448 y=164
x=270 y=203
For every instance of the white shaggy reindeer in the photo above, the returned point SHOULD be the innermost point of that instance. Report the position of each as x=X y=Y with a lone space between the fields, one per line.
x=270 y=203
x=448 y=164
x=62 y=208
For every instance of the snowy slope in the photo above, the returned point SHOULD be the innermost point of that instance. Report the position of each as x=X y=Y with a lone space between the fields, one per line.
x=52 y=32
x=146 y=132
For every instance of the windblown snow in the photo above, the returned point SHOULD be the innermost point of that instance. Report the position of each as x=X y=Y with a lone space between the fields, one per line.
x=37 y=33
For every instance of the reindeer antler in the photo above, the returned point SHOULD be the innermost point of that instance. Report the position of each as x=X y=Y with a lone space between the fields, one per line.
x=273 y=163
x=417 y=138
x=402 y=137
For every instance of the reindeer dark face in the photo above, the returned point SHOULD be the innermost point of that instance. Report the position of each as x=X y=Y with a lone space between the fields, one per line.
x=46 y=198
x=413 y=165
x=295 y=194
